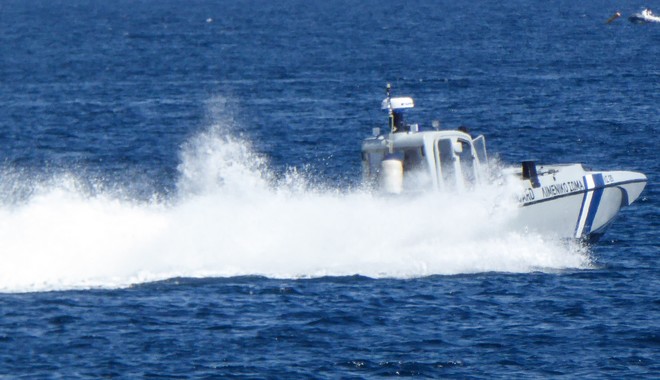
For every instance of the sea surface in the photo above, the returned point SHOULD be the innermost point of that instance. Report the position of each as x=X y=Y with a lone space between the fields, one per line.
x=180 y=190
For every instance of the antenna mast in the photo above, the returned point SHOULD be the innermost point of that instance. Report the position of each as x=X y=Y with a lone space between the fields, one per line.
x=389 y=107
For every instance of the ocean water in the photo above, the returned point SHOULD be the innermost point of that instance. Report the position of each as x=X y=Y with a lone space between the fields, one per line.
x=180 y=197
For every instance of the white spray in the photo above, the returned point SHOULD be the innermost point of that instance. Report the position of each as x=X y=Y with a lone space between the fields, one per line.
x=232 y=218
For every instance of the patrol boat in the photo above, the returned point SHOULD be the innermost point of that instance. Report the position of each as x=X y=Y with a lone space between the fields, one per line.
x=561 y=201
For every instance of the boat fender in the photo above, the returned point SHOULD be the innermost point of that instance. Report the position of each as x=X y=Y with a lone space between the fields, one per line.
x=529 y=172
x=392 y=175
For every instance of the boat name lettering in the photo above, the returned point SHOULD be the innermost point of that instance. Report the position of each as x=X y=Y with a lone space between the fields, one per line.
x=526 y=196
x=563 y=188
x=608 y=178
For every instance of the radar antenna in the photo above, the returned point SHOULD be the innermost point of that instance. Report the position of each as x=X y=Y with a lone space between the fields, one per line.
x=390 y=113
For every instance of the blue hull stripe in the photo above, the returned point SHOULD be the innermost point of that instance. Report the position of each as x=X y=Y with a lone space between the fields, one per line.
x=577 y=232
x=599 y=188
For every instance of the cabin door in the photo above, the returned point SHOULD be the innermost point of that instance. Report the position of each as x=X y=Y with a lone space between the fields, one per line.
x=455 y=164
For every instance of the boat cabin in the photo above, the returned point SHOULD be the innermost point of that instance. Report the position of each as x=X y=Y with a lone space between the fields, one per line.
x=409 y=160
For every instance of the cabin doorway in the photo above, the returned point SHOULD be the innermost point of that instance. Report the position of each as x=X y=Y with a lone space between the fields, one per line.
x=455 y=164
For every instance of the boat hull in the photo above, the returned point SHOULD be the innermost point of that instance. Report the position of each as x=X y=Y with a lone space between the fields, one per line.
x=578 y=207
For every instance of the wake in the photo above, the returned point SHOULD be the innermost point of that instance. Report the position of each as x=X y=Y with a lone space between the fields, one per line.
x=232 y=217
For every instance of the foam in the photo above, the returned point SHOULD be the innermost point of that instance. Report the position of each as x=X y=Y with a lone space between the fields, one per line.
x=232 y=217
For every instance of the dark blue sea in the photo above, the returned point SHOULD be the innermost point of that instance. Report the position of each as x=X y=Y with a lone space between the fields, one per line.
x=180 y=190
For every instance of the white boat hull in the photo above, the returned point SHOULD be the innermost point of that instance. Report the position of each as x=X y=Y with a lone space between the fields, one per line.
x=569 y=206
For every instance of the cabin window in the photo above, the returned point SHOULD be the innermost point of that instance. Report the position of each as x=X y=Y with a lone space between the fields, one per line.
x=415 y=173
x=480 y=147
x=415 y=169
x=467 y=163
x=412 y=159
x=371 y=165
x=451 y=152
x=446 y=156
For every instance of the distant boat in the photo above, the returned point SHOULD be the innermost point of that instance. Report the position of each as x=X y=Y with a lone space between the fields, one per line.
x=643 y=17
x=566 y=201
